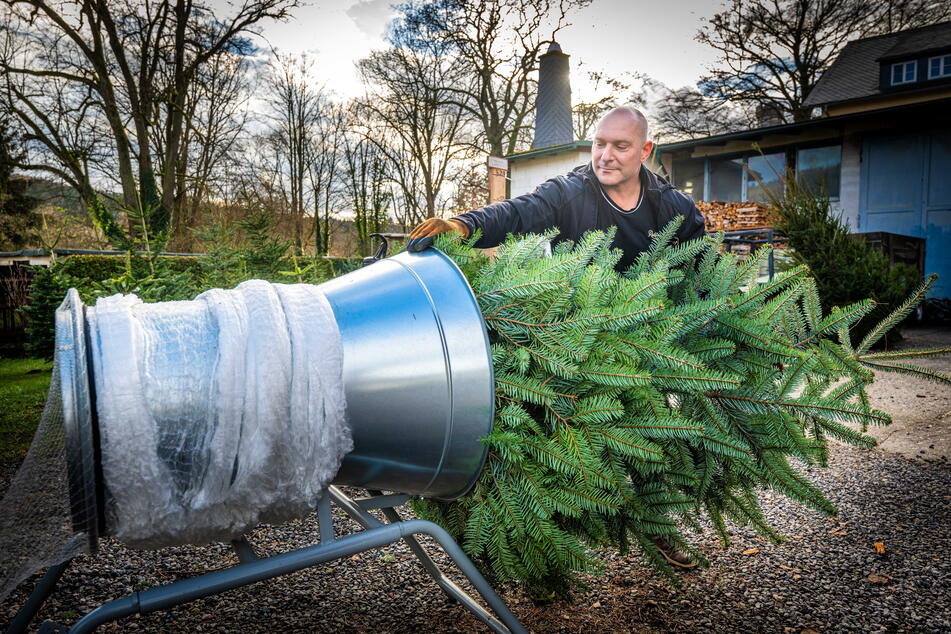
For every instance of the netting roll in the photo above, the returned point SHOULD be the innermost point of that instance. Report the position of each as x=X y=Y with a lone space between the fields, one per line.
x=213 y=415
x=216 y=414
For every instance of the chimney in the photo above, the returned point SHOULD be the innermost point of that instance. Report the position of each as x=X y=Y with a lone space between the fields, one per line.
x=553 y=124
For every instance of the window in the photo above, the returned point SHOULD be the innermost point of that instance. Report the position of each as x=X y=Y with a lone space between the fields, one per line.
x=939 y=67
x=764 y=174
x=688 y=177
x=755 y=177
x=818 y=169
x=904 y=72
x=726 y=179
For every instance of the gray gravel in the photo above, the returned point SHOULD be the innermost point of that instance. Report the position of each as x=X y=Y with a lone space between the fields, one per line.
x=827 y=577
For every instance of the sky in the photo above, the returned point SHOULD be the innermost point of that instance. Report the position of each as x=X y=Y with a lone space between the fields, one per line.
x=613 y=36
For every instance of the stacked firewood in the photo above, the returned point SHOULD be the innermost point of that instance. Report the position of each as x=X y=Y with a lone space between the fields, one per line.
x=732 y=216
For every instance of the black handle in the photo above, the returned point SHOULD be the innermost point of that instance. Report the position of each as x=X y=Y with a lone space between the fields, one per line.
x=380 y=250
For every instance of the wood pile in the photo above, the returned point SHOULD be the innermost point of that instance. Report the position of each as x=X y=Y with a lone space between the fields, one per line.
x=732 y=216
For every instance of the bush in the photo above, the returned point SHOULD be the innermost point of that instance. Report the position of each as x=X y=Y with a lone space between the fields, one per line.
x=228 y=263
x=98 y=268
x=46 y=293
x=846 y=270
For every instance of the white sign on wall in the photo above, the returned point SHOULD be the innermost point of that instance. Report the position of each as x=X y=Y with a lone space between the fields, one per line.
x=498 y=162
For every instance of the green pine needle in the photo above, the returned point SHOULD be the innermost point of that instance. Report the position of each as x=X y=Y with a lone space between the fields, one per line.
x=629 y=405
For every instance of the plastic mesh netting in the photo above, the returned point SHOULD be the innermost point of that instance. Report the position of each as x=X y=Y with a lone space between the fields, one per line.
x=36 y=525
x=214 y=415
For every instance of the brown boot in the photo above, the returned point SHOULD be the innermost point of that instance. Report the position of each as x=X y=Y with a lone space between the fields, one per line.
x=673 y=556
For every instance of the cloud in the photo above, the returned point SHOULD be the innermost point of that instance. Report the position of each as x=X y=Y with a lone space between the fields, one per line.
x=371 y=16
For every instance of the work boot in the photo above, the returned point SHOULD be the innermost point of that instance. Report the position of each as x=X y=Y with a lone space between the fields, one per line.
x=673 y=556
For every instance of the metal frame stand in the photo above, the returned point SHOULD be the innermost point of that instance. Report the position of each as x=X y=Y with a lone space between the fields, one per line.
x=252 y=568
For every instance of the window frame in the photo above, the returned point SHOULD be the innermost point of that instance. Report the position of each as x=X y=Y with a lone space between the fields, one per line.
x=791 y=153
x=708 y=173
x=746 y=170
x=944 y=66
x=904 y=66
x=705 y=170
x=819 y=146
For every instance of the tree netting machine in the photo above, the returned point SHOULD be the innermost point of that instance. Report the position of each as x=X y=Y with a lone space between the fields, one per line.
x=192 y=422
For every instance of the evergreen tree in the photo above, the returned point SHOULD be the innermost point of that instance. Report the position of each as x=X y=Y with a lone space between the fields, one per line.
x=845 y=269
x=630 y=405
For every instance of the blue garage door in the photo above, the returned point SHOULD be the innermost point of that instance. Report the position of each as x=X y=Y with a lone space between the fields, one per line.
x=906 y=189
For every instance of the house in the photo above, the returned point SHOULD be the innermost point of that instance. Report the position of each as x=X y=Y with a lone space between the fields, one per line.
x=880 y=145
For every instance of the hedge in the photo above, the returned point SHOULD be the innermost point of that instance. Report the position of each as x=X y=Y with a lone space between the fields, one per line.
x=176 y=277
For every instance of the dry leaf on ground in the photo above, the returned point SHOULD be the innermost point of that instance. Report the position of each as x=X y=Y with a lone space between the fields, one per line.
x=878 y=578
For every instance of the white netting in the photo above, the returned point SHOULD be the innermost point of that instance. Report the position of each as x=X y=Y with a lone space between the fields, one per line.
x=217 y=414
x=214 y=415
x=36 y=525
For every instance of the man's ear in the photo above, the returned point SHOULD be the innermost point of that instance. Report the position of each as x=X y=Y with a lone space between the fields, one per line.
x=646 y=150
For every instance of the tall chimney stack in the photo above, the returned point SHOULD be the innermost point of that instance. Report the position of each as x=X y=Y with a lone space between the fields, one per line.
x=553 y=124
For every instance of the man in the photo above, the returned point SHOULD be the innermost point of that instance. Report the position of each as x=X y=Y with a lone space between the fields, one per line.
x=614 y=190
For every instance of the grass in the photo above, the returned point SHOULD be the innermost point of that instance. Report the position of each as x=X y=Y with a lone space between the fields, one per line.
x=23 y=387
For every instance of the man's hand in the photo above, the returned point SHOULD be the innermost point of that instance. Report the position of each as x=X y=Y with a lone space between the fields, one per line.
x=422 y=236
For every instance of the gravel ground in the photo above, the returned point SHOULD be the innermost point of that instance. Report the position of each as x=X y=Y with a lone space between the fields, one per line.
x=827 y=577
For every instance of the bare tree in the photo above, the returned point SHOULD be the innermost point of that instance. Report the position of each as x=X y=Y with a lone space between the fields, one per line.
x=324 y=166
x=366 y=178
x=90 y=78
x=772 y=52
x=497 y=43
x=414 y=122
x=216 y=121
x=296 y=109
x=18 y=217
x=889 y=16
x=685 y=113
x=607 y=92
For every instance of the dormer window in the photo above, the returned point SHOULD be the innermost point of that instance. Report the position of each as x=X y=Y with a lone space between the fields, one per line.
x=904 y=72
x=939 y=67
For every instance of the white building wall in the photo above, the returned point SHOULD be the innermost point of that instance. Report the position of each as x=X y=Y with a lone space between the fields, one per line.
x=850 y=180
x=33 y=260
x=527 y=174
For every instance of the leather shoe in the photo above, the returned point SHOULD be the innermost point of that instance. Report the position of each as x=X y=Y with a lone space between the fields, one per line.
x=673 y=556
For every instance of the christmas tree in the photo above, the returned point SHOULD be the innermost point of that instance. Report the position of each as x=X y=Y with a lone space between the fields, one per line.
x=633 y=405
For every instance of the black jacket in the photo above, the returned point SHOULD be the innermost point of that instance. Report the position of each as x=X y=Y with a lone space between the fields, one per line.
x=575 y=204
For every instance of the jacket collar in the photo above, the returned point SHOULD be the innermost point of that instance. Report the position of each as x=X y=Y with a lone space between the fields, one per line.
x=656 y=184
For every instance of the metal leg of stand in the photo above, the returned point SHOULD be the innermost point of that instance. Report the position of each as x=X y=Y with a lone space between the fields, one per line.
x=219 y=581
x=424 y=559
x=211 y=583
x=40 y=593
x=325 y=519
x=244 y=550
x=509 y=623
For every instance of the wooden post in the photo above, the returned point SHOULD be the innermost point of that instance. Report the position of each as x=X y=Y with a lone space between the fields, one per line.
x=498 y=174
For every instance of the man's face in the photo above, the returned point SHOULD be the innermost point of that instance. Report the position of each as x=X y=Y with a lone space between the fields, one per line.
x=618 y=150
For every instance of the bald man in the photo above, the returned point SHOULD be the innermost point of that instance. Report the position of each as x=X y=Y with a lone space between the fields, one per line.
x=614 y=190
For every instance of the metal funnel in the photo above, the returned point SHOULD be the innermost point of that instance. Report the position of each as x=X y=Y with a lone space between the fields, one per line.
x=417 y=375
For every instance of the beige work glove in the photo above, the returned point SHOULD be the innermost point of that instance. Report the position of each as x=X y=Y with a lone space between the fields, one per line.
x=421 y=238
